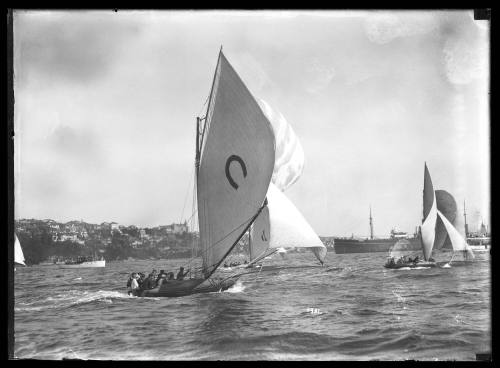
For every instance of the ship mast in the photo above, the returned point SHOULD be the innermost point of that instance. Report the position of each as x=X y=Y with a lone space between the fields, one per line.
x=371 y=223
x=465 y=220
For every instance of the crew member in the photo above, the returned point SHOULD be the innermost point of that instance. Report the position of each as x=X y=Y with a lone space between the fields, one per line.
x=181 y=274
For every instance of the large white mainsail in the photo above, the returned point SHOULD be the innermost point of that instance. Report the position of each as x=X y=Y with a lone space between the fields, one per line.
x=18 y=252
x=457 y=241
x=430 y=216
x=237 y=162
x=283 y=226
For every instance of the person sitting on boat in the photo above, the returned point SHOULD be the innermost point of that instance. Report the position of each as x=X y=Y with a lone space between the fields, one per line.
x=431 y=259
x=181 y=274
x=162 y=279
x=129 y=281
x=142 y=278
x=415 y=260
x=410 y=260
x=171 y=276
x=134 y=285
x=225 y=265
x=162 y=272
x=149 y=282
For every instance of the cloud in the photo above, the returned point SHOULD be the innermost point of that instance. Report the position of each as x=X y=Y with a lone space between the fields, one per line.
x=465 y=59
x=318 y=76
x=251 y=71
x=382 y=28
x=80 y=147
x=68 y=45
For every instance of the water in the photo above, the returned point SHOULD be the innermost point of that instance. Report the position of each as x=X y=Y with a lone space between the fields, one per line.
x=354 y=310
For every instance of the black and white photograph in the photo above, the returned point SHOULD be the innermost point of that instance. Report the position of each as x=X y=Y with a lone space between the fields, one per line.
x=249 y=185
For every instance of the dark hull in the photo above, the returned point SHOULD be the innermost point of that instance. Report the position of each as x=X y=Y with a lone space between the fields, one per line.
x=411 y=265
x=177 y=288
x=172 y=288
x=343 y=246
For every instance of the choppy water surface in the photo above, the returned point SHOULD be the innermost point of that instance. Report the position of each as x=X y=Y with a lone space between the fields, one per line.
x=353 y=310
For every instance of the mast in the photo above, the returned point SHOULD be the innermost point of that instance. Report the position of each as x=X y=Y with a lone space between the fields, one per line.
x=250 y=243
x=197 y=155
x=465 y=220
x=371 y=223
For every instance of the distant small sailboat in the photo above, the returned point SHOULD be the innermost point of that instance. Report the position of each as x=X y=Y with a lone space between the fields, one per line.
x=18 y=253
x=235 y=152
x=439 y=211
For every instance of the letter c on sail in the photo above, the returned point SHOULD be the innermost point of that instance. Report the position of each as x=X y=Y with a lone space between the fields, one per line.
x=228 y=174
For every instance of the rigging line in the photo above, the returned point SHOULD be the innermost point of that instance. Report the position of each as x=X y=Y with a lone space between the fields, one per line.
x=219 y=241
x=214 y=267
x=187 y=192
x=208 y=96
x=192 y=215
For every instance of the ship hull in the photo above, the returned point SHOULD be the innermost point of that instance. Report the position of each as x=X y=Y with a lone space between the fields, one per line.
x=343 y=246
x=92 y=264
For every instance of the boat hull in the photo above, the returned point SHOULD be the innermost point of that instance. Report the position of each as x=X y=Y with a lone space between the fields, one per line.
x=92 y=264
x=343 y=246
x=411 y=265
x=177 y=288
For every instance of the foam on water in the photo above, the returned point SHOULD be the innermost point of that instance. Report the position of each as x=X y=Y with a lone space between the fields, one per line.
x=238 y=287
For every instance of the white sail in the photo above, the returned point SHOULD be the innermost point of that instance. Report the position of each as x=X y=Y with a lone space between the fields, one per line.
x=288 y=228
x=288 y=167
x=236 y=166
x=289 y=156
x=458 y=242
x=430 y=216
x=18 y=252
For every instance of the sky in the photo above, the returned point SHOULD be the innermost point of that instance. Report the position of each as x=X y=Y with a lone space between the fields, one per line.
x=106 y=105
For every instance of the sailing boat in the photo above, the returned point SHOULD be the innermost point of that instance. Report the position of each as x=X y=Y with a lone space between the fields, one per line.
x=437 y=230
x=235 y=151
x=435 y=218
x=18 y=253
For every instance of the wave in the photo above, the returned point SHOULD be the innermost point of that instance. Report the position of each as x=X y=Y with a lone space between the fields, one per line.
x=73 y=298
x=238 y=287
